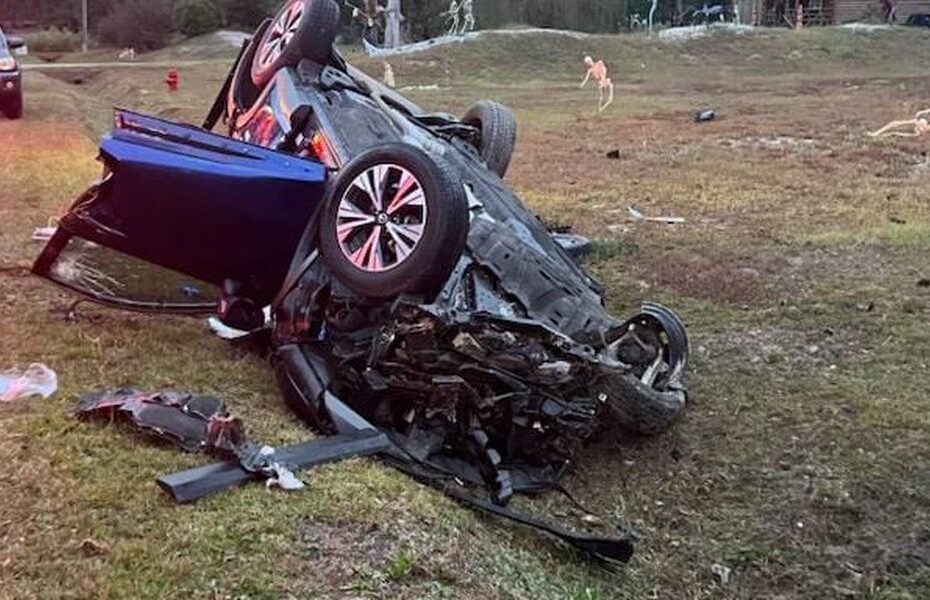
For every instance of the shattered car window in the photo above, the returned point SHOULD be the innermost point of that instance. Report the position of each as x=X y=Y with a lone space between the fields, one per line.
x=111 y=275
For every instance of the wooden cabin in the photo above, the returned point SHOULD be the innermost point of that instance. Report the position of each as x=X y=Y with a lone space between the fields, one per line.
x=826 y=12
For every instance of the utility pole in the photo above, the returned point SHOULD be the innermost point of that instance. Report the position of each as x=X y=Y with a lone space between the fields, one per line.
x=84 y=24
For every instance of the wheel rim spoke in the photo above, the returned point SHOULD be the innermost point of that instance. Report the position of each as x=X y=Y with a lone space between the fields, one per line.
x=404 y=196
x=369 y=256
x=402 y=247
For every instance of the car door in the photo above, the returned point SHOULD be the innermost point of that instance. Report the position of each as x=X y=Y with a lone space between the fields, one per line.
x=179 y=213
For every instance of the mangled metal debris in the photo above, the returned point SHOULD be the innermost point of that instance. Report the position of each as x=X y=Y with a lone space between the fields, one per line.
x=202 y=424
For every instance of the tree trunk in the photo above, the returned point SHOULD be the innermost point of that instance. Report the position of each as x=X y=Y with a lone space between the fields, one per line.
x=392 y=29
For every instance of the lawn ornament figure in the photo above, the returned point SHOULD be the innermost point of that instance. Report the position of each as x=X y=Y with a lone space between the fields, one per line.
x=889 y=11
x=389 y=79
x=605 y=87
x=461 y=17
x=453 y=16
x=799 y=17
x=172 y=80
x=468 y=18
x=919 y=126
x=370 y=15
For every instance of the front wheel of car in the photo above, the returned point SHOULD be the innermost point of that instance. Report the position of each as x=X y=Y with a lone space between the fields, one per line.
x=14 y=110
x=301 y=29
x=395 y=222
x=497 y=130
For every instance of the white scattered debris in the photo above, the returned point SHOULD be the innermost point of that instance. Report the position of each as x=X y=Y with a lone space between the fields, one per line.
x=375 y=51
x=224 y=331
x=231 y=38
x=680 y=34
x=421 y=88
x=228 y=333
x=37 y=380
x=443 y=40
x=43 y=234
x=864 y=27
x=639 y=217
x=722 y=572
x=284 y=478
x=577 y=35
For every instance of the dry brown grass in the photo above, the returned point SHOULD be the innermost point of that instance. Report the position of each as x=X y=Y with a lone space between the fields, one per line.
x=802 y=463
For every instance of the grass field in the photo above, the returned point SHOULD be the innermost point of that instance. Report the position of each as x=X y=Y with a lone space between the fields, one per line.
x=802 y=464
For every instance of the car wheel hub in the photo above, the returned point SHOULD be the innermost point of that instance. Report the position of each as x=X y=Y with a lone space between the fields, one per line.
x=382 y=218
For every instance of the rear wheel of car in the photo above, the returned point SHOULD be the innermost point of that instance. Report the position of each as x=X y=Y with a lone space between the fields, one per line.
x=497 y=133
x=395 y=222
x=301 y=29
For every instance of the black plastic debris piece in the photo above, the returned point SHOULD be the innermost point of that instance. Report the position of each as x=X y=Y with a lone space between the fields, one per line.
x=575 y=245
x=923 y=282
x=614 y=155
x=193 y=484
x=704 y=115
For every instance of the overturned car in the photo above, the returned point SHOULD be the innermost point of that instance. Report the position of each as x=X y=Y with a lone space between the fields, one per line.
x=404 y=279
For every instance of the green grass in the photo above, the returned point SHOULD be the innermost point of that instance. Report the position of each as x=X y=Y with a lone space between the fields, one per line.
x=801 y=464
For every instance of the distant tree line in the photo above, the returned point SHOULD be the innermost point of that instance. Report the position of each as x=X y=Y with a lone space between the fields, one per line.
x=150 y=23
x=67 y=13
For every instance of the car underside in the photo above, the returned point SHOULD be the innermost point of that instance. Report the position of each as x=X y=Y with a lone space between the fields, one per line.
x=405 y=280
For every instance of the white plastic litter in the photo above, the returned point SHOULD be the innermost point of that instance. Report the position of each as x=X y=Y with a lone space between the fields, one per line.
x=228 y=333
x=285 y=479
x=44 y=234
x=224 y=331
x=637 y=216
x=37 y=380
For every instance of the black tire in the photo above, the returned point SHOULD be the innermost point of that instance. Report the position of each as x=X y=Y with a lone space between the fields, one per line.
x=639 y=408
x=14 y=109
x=313 y=37
x=426 y=267
x=498 y=133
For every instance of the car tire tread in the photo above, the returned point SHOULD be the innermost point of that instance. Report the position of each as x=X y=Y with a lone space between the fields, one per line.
x=498 y=133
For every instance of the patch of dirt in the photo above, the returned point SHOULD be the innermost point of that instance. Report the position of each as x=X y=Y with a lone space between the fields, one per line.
x=76 y=76
x=792 y=351
x=337 y=553
x=776 y=274
x=733 y=279
x=775 y=143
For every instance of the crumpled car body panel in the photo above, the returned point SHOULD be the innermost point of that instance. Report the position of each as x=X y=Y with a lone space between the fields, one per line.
x=196 y=203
